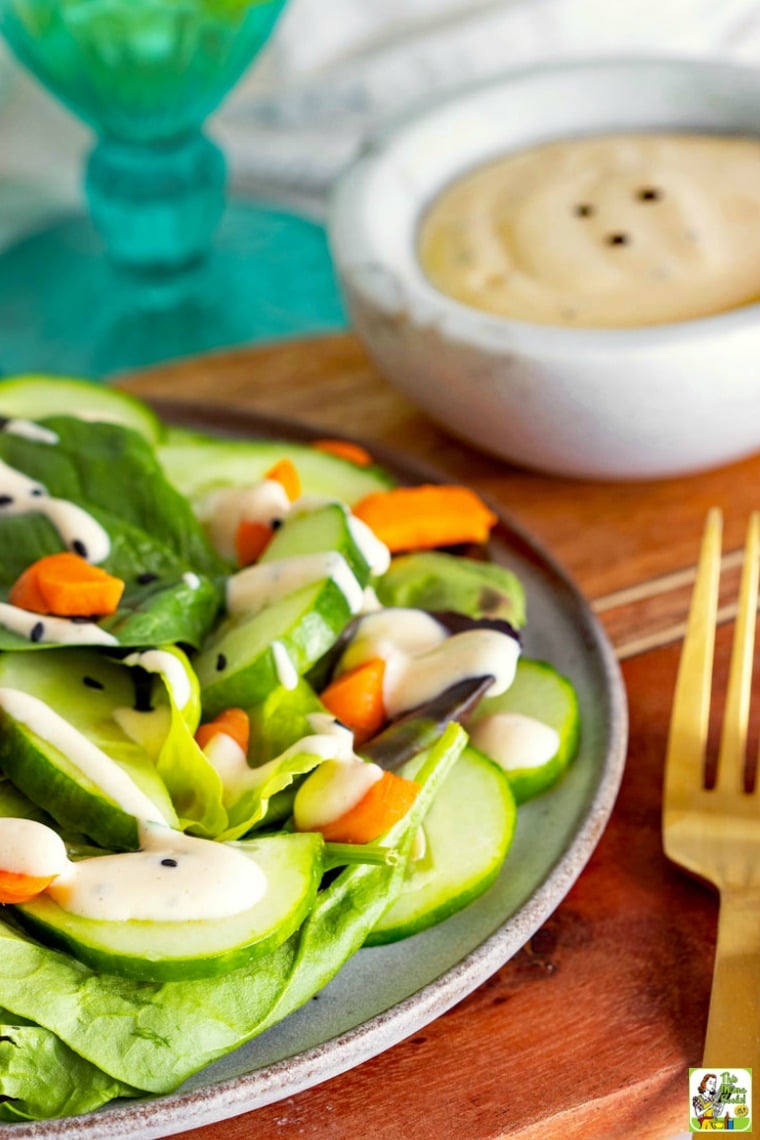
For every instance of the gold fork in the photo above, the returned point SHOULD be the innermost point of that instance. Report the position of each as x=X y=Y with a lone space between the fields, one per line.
x=715 y=833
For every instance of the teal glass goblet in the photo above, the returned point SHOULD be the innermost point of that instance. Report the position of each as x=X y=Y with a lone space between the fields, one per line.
x=163 y=267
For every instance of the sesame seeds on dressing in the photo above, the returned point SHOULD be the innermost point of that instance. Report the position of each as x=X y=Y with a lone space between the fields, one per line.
x=81 y=533
x=617 y=231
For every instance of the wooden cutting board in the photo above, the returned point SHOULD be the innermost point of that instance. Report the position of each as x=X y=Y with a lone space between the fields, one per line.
x=590 y=1030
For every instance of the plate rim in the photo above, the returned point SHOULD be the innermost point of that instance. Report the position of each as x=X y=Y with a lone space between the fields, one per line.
x=153 y=1117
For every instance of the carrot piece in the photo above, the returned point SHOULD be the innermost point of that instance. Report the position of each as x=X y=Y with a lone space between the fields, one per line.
x=387 y=801
x=251 y=540
x=232 y=722
x=344 y=449
x=67 y=585
x=356 y=699
x=18 y=888
x=421 y=518
x=285 y=473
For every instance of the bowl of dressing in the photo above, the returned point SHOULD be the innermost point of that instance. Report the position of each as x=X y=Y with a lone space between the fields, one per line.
x=563 y=267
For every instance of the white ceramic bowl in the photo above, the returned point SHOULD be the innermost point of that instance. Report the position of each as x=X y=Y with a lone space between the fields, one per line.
x=629 y=403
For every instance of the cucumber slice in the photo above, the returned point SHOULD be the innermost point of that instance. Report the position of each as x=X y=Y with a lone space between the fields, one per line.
x=198 y=464
x=84 y=689
x=540 y=692
x=173 y=951
x=434 y=580
x=238 y=665
x=468 y=832
x=314 y=532
x=33 y=396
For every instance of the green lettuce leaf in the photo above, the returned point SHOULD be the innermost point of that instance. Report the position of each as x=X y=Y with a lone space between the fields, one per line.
x=41 y=1078
x=172 y=577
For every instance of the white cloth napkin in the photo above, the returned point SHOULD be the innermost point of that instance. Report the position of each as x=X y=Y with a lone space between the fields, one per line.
x=337 y=69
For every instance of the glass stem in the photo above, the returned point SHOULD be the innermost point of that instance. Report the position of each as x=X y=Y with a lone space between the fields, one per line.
x=157 y=204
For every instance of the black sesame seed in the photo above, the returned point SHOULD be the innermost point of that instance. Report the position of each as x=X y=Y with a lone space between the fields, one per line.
x=277 y=523
x=584 y=210
x=6 y=500
x=168 y=862
x=37 y=631
x=617 y=239
x=221 y=662
x=649 y=194
x=79 y=548
x=93 y=683
x=146 y=578
x=37 y=492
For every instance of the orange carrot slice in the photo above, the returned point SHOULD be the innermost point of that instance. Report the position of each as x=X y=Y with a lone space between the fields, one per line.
x=251 y=540
x=344 y=449
x=386 y=802
x=18 y=888
x=67 y=585
x=422 y=518
x=286 y=475
x=232 y=722
x=356 y=699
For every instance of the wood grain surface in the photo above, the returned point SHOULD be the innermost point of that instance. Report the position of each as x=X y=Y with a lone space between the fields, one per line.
x=590 y=1030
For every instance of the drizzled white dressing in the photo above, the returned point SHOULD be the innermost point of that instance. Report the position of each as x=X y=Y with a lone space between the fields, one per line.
x=91 y=761
x=515 y=741
x=173 y=878
x=28 y=429
x=252 y=589
x=31 y=848
x=222 y=511
x=169 y=667
x=287 y=674
x=54 y=630
x=421 y=660
x=20 y=495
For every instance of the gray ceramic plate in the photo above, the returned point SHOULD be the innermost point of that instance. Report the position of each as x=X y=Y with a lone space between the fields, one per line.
x=387 y=993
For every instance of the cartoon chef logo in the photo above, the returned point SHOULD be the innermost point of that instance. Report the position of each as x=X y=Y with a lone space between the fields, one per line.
x=721 y=1100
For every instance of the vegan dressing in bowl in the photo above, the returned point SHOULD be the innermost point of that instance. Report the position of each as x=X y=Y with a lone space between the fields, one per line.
x=616 y=231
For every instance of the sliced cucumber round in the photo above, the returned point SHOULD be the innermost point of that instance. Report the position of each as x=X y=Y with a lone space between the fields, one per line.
x=84 y=689
x=323 y=529
x=32 y=396
x=238 y=666
x=541 y=693
x=199 y=464
x=174 y=951
x=468 y=832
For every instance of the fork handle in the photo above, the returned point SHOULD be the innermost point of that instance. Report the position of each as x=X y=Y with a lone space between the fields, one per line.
x=733 y=1025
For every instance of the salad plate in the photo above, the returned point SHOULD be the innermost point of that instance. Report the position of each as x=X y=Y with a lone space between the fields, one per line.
x=386 y=993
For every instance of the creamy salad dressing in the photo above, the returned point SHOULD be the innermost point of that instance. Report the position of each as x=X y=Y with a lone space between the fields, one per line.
x=422 y=660
x=45 y=629
x=515 y=741
x=222 y=511
x=28 y=429
x=20 y=495
x=91 y=761
x=287 y=674
x=622 y=230
x=172 y=878
x=255 y=587
x=331 y=790
x=169 y=668
x=30 y=848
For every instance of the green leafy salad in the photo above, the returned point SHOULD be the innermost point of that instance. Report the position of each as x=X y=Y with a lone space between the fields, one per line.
x=260 y=708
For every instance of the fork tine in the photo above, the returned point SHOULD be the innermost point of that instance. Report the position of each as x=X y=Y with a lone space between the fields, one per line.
x=687 y=738
x=733 y=740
